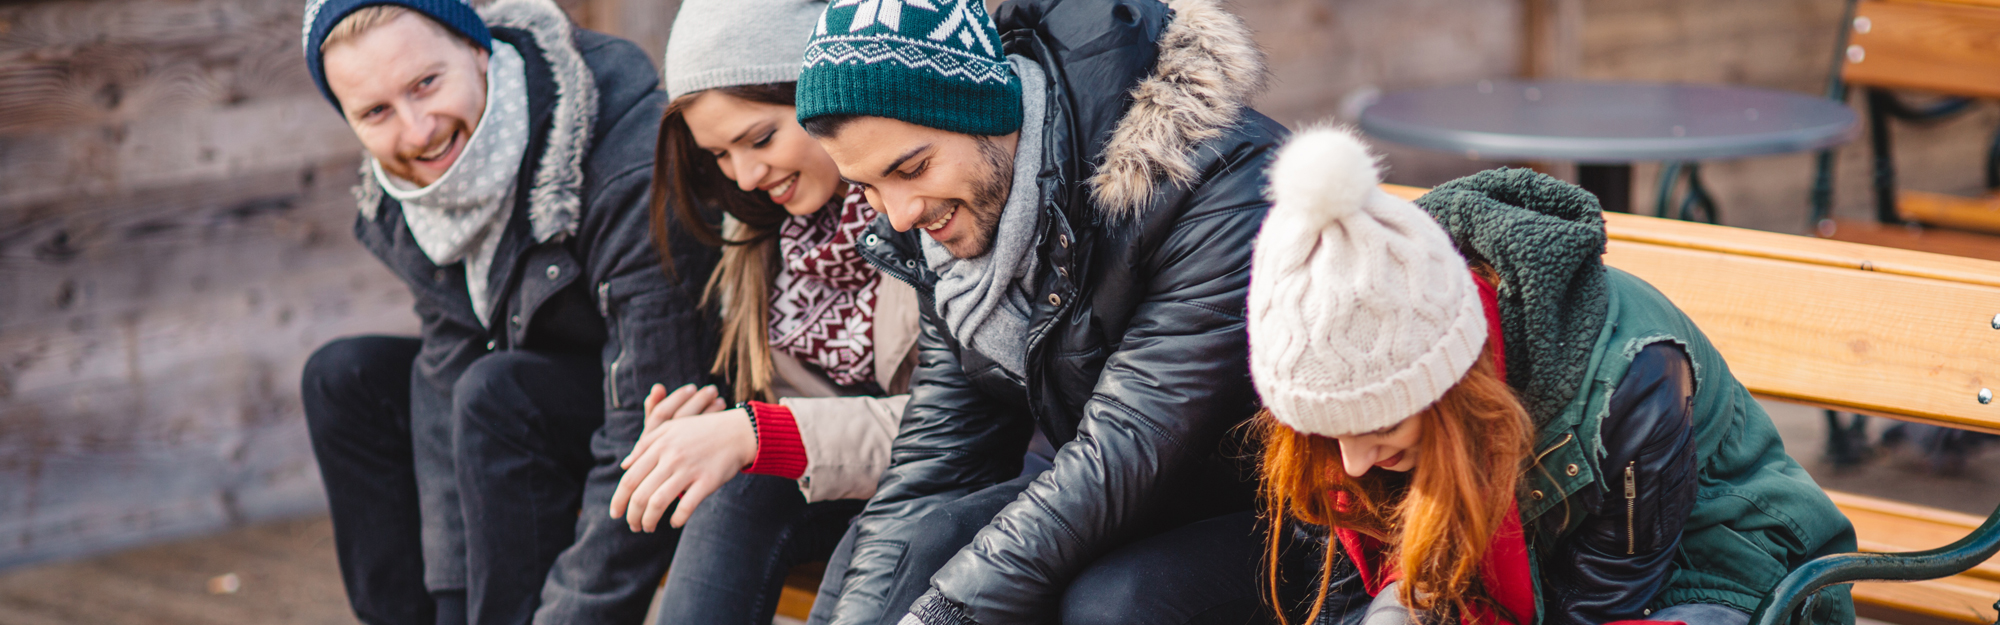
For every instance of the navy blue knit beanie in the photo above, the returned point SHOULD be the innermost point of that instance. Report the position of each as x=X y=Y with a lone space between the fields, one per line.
x=322 y=15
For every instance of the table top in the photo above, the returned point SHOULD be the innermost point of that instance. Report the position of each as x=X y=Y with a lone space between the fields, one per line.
x=1607 y=122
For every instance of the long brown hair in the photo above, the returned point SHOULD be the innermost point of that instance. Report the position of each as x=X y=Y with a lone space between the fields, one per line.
x=687 y=176
x=1438 y=520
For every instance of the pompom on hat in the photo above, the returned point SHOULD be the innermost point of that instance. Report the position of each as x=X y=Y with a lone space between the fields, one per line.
x=1362 y=313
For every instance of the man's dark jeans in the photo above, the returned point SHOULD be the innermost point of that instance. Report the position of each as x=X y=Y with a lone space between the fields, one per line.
x=531 y=449
x=1204 y=572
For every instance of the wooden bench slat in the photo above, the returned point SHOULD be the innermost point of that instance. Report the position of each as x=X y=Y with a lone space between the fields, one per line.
x=1754 y=243
x=1886 y=526
x=1956 y=598
x=1933 y=240
x=1946 y=48
x=1975 y=214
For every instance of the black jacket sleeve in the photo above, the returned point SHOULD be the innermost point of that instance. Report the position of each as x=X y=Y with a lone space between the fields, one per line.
x=952 y=439
x=1161 y=407
x=1621 y=554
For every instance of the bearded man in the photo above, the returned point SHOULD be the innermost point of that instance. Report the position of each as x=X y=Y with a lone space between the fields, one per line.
x=506 y=181
x=1074 y=202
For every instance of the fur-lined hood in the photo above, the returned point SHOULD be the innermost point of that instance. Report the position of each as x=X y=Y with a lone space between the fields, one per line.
x=1207 y=70
x=556 y=198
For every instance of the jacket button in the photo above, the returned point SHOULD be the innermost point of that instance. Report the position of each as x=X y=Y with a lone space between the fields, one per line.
x=1062 y=240
x=1571 y=470
x=440 y=275
x=1061 y=271
x=516 y=320
x=554 y=271
x=871 y=240
x=911 y=263
x=492 y=344
x=1055 y=300
x=1536 y=495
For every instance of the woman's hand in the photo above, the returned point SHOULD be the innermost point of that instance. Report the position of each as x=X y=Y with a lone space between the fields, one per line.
x=691 y=447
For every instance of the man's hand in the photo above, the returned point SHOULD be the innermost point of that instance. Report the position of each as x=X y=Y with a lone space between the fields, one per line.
x=691 y=447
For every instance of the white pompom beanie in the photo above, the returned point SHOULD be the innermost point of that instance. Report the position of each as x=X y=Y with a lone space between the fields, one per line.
x=1362 y=313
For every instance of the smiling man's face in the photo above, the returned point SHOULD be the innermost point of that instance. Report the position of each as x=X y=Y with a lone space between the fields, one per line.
x=413 y=93
x=951 y=185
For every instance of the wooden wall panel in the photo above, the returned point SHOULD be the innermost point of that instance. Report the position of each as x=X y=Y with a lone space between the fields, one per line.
x=175 y=240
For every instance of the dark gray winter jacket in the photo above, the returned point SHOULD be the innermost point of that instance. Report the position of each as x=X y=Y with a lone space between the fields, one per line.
x=592 y=283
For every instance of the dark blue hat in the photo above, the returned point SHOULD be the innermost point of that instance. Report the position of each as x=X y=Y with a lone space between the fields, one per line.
x=322 y=15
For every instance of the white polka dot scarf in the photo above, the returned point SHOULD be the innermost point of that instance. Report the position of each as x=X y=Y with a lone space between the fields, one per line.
x=462 y=215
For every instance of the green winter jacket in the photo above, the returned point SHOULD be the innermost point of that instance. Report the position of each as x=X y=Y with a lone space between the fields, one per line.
x=1572 y=327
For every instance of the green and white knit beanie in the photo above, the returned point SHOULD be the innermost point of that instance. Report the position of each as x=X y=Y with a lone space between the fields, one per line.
x=1361 y=311
x=933 y=63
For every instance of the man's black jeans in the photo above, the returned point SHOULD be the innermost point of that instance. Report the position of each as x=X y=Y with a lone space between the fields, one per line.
x=531 y=449
x=1208 y=572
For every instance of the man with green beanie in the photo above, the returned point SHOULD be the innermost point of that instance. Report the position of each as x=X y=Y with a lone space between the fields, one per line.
x=1088 y=186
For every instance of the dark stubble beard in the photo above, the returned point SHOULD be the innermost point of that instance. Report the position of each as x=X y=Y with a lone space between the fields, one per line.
x=989 y=195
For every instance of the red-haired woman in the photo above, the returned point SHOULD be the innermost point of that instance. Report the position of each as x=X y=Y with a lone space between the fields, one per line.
x=1491 y=426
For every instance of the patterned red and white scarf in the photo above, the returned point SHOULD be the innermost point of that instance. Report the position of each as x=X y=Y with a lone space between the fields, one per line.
x=823 y=301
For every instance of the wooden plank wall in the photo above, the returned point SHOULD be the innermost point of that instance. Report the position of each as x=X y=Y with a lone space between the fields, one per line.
x=175 y=239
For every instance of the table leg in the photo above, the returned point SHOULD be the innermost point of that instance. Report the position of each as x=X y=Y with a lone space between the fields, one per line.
x=1611 y=183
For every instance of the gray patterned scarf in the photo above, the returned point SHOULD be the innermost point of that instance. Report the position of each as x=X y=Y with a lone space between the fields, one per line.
x=985 y=300
x=461 y=215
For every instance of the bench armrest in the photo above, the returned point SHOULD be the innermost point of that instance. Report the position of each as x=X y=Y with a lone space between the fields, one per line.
x=1789 y=598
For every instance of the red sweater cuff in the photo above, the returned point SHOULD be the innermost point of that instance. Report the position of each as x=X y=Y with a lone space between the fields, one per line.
x=780 y=451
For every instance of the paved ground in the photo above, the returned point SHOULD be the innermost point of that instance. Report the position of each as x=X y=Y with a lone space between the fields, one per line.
x=284 y=572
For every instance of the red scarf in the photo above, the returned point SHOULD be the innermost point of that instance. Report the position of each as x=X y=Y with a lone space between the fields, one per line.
x=1504 y=571
x=823 y=300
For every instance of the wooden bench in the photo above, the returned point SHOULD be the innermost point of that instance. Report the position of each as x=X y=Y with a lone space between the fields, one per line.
x=1850 y=327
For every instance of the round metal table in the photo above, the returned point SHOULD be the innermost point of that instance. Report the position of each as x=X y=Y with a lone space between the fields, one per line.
x=1605 y=126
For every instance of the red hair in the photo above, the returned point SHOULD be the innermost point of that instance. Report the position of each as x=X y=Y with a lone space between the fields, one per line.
x=1438 y=519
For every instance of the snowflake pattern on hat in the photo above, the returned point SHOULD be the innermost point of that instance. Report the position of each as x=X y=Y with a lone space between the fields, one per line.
x=956 y=40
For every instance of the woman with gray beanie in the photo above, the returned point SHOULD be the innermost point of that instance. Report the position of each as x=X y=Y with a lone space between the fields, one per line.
x=816 y=347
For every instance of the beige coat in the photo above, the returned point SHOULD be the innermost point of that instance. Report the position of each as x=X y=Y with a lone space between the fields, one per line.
x=847 y=438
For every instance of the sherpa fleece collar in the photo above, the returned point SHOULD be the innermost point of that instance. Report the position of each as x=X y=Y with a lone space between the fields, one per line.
x=556 y=199
x=1545 y=238
x=1207 y=70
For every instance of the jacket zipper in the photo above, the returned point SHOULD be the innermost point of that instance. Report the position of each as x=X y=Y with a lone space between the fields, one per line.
x=1631 y=506
x=604 y=308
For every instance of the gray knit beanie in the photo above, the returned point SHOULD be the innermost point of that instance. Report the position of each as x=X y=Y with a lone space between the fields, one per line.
x=727 y=43
x=1362 y=313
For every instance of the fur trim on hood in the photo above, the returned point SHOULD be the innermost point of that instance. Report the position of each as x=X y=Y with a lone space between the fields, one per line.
x=1208 y=69
x=555 y=200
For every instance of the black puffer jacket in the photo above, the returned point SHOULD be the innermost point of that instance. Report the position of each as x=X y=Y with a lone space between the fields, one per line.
x=1152 y=191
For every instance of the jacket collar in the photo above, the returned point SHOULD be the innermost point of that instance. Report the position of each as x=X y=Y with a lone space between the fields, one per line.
x=1206 y=70
x=556 y=198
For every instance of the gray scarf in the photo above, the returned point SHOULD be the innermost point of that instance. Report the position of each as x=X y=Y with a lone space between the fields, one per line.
x=985 y=300
x=462 y=215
